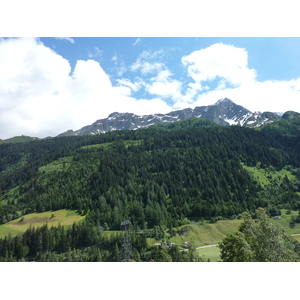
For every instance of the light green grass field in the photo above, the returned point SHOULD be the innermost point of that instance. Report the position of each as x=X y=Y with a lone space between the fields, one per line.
x=207 y=234
x=285 y=222
x=127 y=144
x=265 y=176
x=202 y=235
x=64 y=217
x=213 y=253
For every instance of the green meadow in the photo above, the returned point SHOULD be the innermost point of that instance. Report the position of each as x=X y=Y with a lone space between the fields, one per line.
x=52 y=218
x=211 y=253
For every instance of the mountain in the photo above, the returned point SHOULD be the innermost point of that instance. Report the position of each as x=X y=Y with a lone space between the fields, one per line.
x=19 y=139
x=163 y=179
x=223 y=112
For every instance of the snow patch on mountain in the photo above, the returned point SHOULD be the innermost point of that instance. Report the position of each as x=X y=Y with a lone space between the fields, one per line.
x=223 y=112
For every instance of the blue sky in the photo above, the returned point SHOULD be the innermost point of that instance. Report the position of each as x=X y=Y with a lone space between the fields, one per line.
x=49 y=85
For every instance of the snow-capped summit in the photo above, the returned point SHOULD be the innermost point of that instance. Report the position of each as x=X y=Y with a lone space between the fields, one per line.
x=223 y=112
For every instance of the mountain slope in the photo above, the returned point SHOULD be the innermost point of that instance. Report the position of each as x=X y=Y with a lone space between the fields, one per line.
x=223 y=112
x=152 y=176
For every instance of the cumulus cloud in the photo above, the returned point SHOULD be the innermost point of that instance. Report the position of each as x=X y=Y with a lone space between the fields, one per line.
x=228 y=65
x=133 y=86
x=164 y=86
x=219 y=60
x=40 y=97
x=275 y=96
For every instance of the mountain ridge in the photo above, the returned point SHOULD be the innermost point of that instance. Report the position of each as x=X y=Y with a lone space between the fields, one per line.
x=224 y=112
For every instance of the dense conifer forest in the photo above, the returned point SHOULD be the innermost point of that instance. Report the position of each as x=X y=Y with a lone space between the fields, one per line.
x=159 y=178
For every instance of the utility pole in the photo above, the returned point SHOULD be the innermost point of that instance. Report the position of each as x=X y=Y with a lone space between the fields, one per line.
x=126 y=249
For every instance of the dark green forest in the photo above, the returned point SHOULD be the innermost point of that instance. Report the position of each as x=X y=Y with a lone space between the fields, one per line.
x=157 y=178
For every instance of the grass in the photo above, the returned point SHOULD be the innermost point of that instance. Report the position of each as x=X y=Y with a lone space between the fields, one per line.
x=103 y=145
x=207 y=234
x=127 y=143
x=21 y=139
x=213 y=253
x=202 y=235
x=269 y=175
x=285 y=222
x=63 y=217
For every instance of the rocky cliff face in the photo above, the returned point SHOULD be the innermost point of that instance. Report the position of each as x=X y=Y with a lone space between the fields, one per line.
x=223 y=112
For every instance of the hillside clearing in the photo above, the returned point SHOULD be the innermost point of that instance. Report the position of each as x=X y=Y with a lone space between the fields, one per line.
x=52 y=218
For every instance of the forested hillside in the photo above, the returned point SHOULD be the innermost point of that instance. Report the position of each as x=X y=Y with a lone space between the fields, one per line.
x=160 y=177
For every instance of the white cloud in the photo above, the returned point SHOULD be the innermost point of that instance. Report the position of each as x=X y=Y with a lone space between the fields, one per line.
x=67 y=39
x=148 y=62
x=115 y=58
x=120 y=67
x=275 y=96
x=219 y=60
x=39 y=96
x=145 y=67
x=164 y=86
x=133 y=86
x=188 y=98
x=138 y=40
x=96 y=52
x=229 y=65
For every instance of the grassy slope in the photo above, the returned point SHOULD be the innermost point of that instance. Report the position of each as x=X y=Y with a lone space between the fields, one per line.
x=265 y=176
x=210 y=234
x=213 y=253
x=64 y=217
x=201 y=235
x=285 y=221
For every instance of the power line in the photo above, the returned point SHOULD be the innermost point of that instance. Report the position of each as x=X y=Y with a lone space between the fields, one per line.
x=126 y=248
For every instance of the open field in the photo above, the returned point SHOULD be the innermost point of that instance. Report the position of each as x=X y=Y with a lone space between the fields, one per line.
x=201 y=235
x=209 y=234
x=52 y=218
x=127 y=143
x=213 y=253
x=206 y=234
x=285 y=222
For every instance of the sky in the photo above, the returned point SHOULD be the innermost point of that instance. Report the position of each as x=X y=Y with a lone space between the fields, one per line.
x=50 y=85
